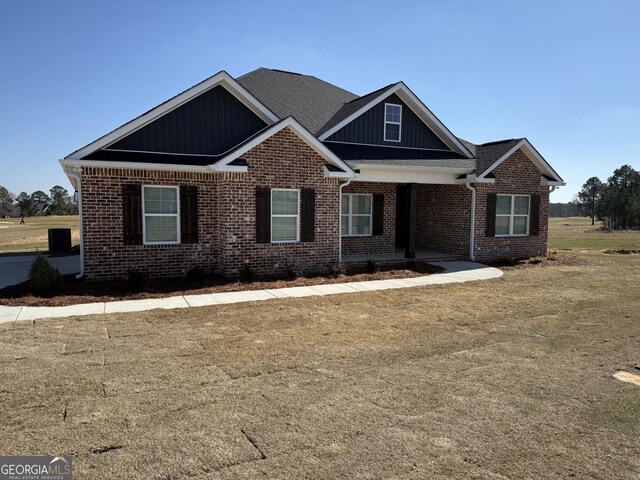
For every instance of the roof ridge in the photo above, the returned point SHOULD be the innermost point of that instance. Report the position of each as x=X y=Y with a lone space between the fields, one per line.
x=506 y=140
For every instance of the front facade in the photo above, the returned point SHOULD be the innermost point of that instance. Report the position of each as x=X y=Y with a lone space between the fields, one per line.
x=275 y=168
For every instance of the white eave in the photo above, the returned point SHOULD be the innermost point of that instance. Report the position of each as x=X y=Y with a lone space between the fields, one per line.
x=219 y=79
x=533 y=155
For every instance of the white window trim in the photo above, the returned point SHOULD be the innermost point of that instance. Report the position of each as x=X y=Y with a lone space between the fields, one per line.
x=350 y=215
x=297 y=216
x=145 y=215
x=392 y=123
x=512 y=215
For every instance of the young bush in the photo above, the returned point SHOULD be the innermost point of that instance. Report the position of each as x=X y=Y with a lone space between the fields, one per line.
x=246 y=275
x=195 y=276
x=506 y=262
x=372 y=266
x=337 y=269
x=552 y=253
x=44 y=278
x=294 y=269
x=136 y=280
x=536 y=260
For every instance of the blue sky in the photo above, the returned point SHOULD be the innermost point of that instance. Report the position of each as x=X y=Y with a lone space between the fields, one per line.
x=565 y=74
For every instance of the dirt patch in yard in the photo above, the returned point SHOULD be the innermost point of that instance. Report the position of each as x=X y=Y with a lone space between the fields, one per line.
x=538 y=262
x=73 y=292
x=622 y=251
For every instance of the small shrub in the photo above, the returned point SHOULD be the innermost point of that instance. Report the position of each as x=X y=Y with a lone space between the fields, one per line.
x=536 y=260
x=552 y=253
x=372 y=266
x=195 y=276
x=337 y=269
x=295 y=269
x=506 y=262
x=44 y=278
x=136 y=280
x=246 y=274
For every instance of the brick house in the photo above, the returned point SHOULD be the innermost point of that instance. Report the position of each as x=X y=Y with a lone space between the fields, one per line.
x=276 y=167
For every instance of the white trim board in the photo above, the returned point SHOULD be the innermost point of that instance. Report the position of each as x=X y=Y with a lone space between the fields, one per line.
x=417 y=106
x=219 y=79
x=301 y=132
x=533 y=155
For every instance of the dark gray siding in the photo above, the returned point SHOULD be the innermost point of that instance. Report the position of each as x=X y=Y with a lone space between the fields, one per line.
x=210 y=124
x=369 y=128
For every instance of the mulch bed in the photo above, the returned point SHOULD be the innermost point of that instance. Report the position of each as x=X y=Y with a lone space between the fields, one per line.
x=74 y=291
x=561 y=261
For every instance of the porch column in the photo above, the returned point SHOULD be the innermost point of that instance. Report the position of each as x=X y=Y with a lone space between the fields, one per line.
x=412 y=191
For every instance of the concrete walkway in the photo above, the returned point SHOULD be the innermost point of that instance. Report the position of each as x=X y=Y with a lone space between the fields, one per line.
x=455 y=272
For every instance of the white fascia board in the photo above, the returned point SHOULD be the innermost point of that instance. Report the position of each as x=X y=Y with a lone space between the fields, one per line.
x=68 y=163
x=418 y=107
x=472 y=178
x=221 y=78
x=532 y=154
x=410 y=168
x=290 y=122
x=551 y=183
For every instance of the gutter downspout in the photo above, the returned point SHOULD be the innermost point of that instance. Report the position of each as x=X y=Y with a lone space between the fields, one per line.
x=342 y=185
x=76 y=176
x=472 y=230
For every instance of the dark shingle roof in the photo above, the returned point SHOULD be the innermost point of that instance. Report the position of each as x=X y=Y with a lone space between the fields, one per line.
x=488 y=153
x=311 y=101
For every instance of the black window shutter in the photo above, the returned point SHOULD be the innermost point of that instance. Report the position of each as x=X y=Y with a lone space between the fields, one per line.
x=188 y=214
x=308 y=213
x=132 y=214
x=263 y=215
x=378 y=214
x=534 y=217
x=492 y=200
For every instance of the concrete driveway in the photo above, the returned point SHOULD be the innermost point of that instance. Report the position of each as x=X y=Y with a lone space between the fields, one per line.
x=15 y=268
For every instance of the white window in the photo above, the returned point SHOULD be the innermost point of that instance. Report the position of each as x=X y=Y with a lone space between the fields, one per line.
x=285 y=215
x=355 y=214
x=392 y=122
x=512 y=215
x=160 y=207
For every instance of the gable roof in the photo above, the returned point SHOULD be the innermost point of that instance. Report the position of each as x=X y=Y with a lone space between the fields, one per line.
x=226 y=163
x=220 y=78
x=416 y=105
x=352 y=107
x=490 y=155
x=311 y=101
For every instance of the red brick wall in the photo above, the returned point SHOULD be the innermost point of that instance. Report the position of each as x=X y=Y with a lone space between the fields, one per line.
x=282 y=161
x=443 y=218
x=516 y=175
x=106 y=256
x=378 y=244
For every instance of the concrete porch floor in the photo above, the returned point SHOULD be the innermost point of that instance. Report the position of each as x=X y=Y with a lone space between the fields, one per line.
x=398 y=256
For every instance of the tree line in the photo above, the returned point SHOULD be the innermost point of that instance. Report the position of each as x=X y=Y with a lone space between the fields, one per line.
x=57 y=202
x=615 y=202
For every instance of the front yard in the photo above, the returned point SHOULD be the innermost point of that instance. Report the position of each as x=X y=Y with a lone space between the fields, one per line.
x=509 y=378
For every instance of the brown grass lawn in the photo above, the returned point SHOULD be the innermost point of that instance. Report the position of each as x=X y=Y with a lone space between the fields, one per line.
x=509 y=378
x=33 y=236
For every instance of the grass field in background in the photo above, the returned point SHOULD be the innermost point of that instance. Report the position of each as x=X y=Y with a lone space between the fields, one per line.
x=33 y=236
x=577 y=233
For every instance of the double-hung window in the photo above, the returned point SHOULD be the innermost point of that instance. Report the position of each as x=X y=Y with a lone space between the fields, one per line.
x=392 y=122
x=160 y=207
x=285 y=215
x=512 y=215
x=355 y=215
